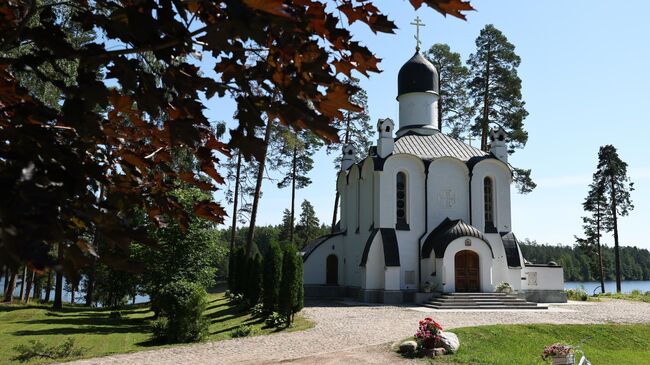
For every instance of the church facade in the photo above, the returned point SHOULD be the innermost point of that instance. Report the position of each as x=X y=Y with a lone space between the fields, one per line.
x=424 y=212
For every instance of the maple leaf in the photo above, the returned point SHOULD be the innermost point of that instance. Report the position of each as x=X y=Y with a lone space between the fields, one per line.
x=337 y=98
x=444 y=7
x=275 y=7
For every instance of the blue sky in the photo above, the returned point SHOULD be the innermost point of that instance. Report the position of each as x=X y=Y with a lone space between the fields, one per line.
x=585 y=80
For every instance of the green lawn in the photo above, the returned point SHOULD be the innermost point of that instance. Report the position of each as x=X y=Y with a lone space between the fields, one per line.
x=523 y=344
x=94 y=330
x=635 y=295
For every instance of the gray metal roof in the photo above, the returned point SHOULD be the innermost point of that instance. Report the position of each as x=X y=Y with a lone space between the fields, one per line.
x=429 y=147
x=445 y=233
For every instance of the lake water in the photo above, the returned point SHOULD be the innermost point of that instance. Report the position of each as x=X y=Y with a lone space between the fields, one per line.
x=78 y=297
x=610 y=286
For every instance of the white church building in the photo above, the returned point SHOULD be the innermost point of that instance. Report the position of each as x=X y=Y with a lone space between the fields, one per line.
x=424 y=211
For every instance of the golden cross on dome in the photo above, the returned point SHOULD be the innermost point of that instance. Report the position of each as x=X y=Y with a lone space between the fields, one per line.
x=418 y=23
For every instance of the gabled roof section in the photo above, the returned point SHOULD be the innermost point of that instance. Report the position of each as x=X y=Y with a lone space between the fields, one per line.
x=430 y=147
x=511 y=246
x=389 y=241
x=313 y=245
x=449 y=230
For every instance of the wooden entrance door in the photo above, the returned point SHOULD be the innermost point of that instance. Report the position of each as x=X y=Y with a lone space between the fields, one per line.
x=467 y=271
x=332 y=270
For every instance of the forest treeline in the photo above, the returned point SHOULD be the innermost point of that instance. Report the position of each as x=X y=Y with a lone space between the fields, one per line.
x=578 y=265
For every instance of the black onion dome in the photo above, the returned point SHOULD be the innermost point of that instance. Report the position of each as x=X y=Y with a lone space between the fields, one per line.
x=417 y=75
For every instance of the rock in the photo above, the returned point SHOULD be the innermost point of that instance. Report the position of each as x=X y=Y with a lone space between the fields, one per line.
x=439 y=351
x=449 y=341
x=408 y=348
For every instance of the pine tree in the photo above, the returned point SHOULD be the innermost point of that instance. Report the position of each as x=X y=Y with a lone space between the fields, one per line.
x=495 y=89
x=354 y=128
x=294 y=156
x=454 y=107
x=596 y=205
x=309 y=227
x=285 y=226
x=272 y=277
x=611 y=174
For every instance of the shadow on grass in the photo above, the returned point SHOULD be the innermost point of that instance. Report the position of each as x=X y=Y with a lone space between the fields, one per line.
x=88 y=329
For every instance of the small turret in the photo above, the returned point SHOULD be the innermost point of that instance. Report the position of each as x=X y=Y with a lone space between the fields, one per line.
x=498 y=143
x=386 y=143
x=348 y=157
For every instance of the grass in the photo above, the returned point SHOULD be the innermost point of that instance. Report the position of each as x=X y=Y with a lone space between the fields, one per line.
x=635 y=295
x=99 y=335
x=522 y=344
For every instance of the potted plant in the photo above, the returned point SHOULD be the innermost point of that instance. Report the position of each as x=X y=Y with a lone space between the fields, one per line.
x=561 y=354
x=504 y=287
x=428 y=335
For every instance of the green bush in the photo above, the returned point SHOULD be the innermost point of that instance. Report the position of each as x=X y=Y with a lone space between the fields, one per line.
x=182 y=304
x=242 y=331
x=276 y=320
x=38 y=350
x=253 y=286
x=577 y=294
x=258 y=310
x=291 y=287
x=272 y=277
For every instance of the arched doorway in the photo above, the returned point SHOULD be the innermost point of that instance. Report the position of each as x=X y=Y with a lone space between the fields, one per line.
x=332 y=271
x=467 y=271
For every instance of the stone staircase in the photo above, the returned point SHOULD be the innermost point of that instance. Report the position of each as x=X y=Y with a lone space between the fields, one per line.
x=488 y=301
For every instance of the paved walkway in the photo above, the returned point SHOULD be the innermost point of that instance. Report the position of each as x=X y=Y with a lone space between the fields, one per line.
x=346 y=334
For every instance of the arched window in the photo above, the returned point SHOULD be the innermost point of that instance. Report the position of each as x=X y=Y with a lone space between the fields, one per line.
x=401 y=201
x=488 y=205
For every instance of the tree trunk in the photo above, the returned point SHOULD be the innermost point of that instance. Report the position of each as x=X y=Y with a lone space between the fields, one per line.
x=22 y=285
x=90 y=287
x=336 y=210
x=37 y=288
x=30 y=285
x=48 y=287
x=6 y=283
x=72 y=291
x=293 y=194
x=234 y=207
x=58 y=287
x=617 y=257
x=337 y=195
x=11 y=286
x=258 y=189
x=485 y=123
x=601 y=263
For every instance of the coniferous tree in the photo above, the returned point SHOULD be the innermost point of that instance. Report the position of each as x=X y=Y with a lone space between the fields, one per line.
x=294 y=156
x=285 y=226
x=454 y=107
x=495 y=89
x=254 y=272
x=272 y=277
x=291 y=289
x=354 y=128
x=611 y=174
x=600 y=219
x=309 y=227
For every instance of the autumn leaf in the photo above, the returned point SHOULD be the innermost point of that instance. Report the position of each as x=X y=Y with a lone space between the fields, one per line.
x=444 y=7
x=275 y=7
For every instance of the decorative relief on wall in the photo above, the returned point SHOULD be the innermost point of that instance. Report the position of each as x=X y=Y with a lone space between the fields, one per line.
x=447 y=198
x=532 y=278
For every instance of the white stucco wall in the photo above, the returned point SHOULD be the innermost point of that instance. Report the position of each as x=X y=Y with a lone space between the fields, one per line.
x=448 y=191
x=502 y=178
x=418 y=109
x=542 y=278
x=316 y=264
x=413 y=167
x=373 y=274
x=485 y=264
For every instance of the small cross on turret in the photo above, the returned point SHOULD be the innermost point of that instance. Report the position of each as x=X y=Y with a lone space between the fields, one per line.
x=418 y=23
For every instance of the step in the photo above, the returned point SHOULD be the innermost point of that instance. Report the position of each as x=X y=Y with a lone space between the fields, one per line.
x=502 y=307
